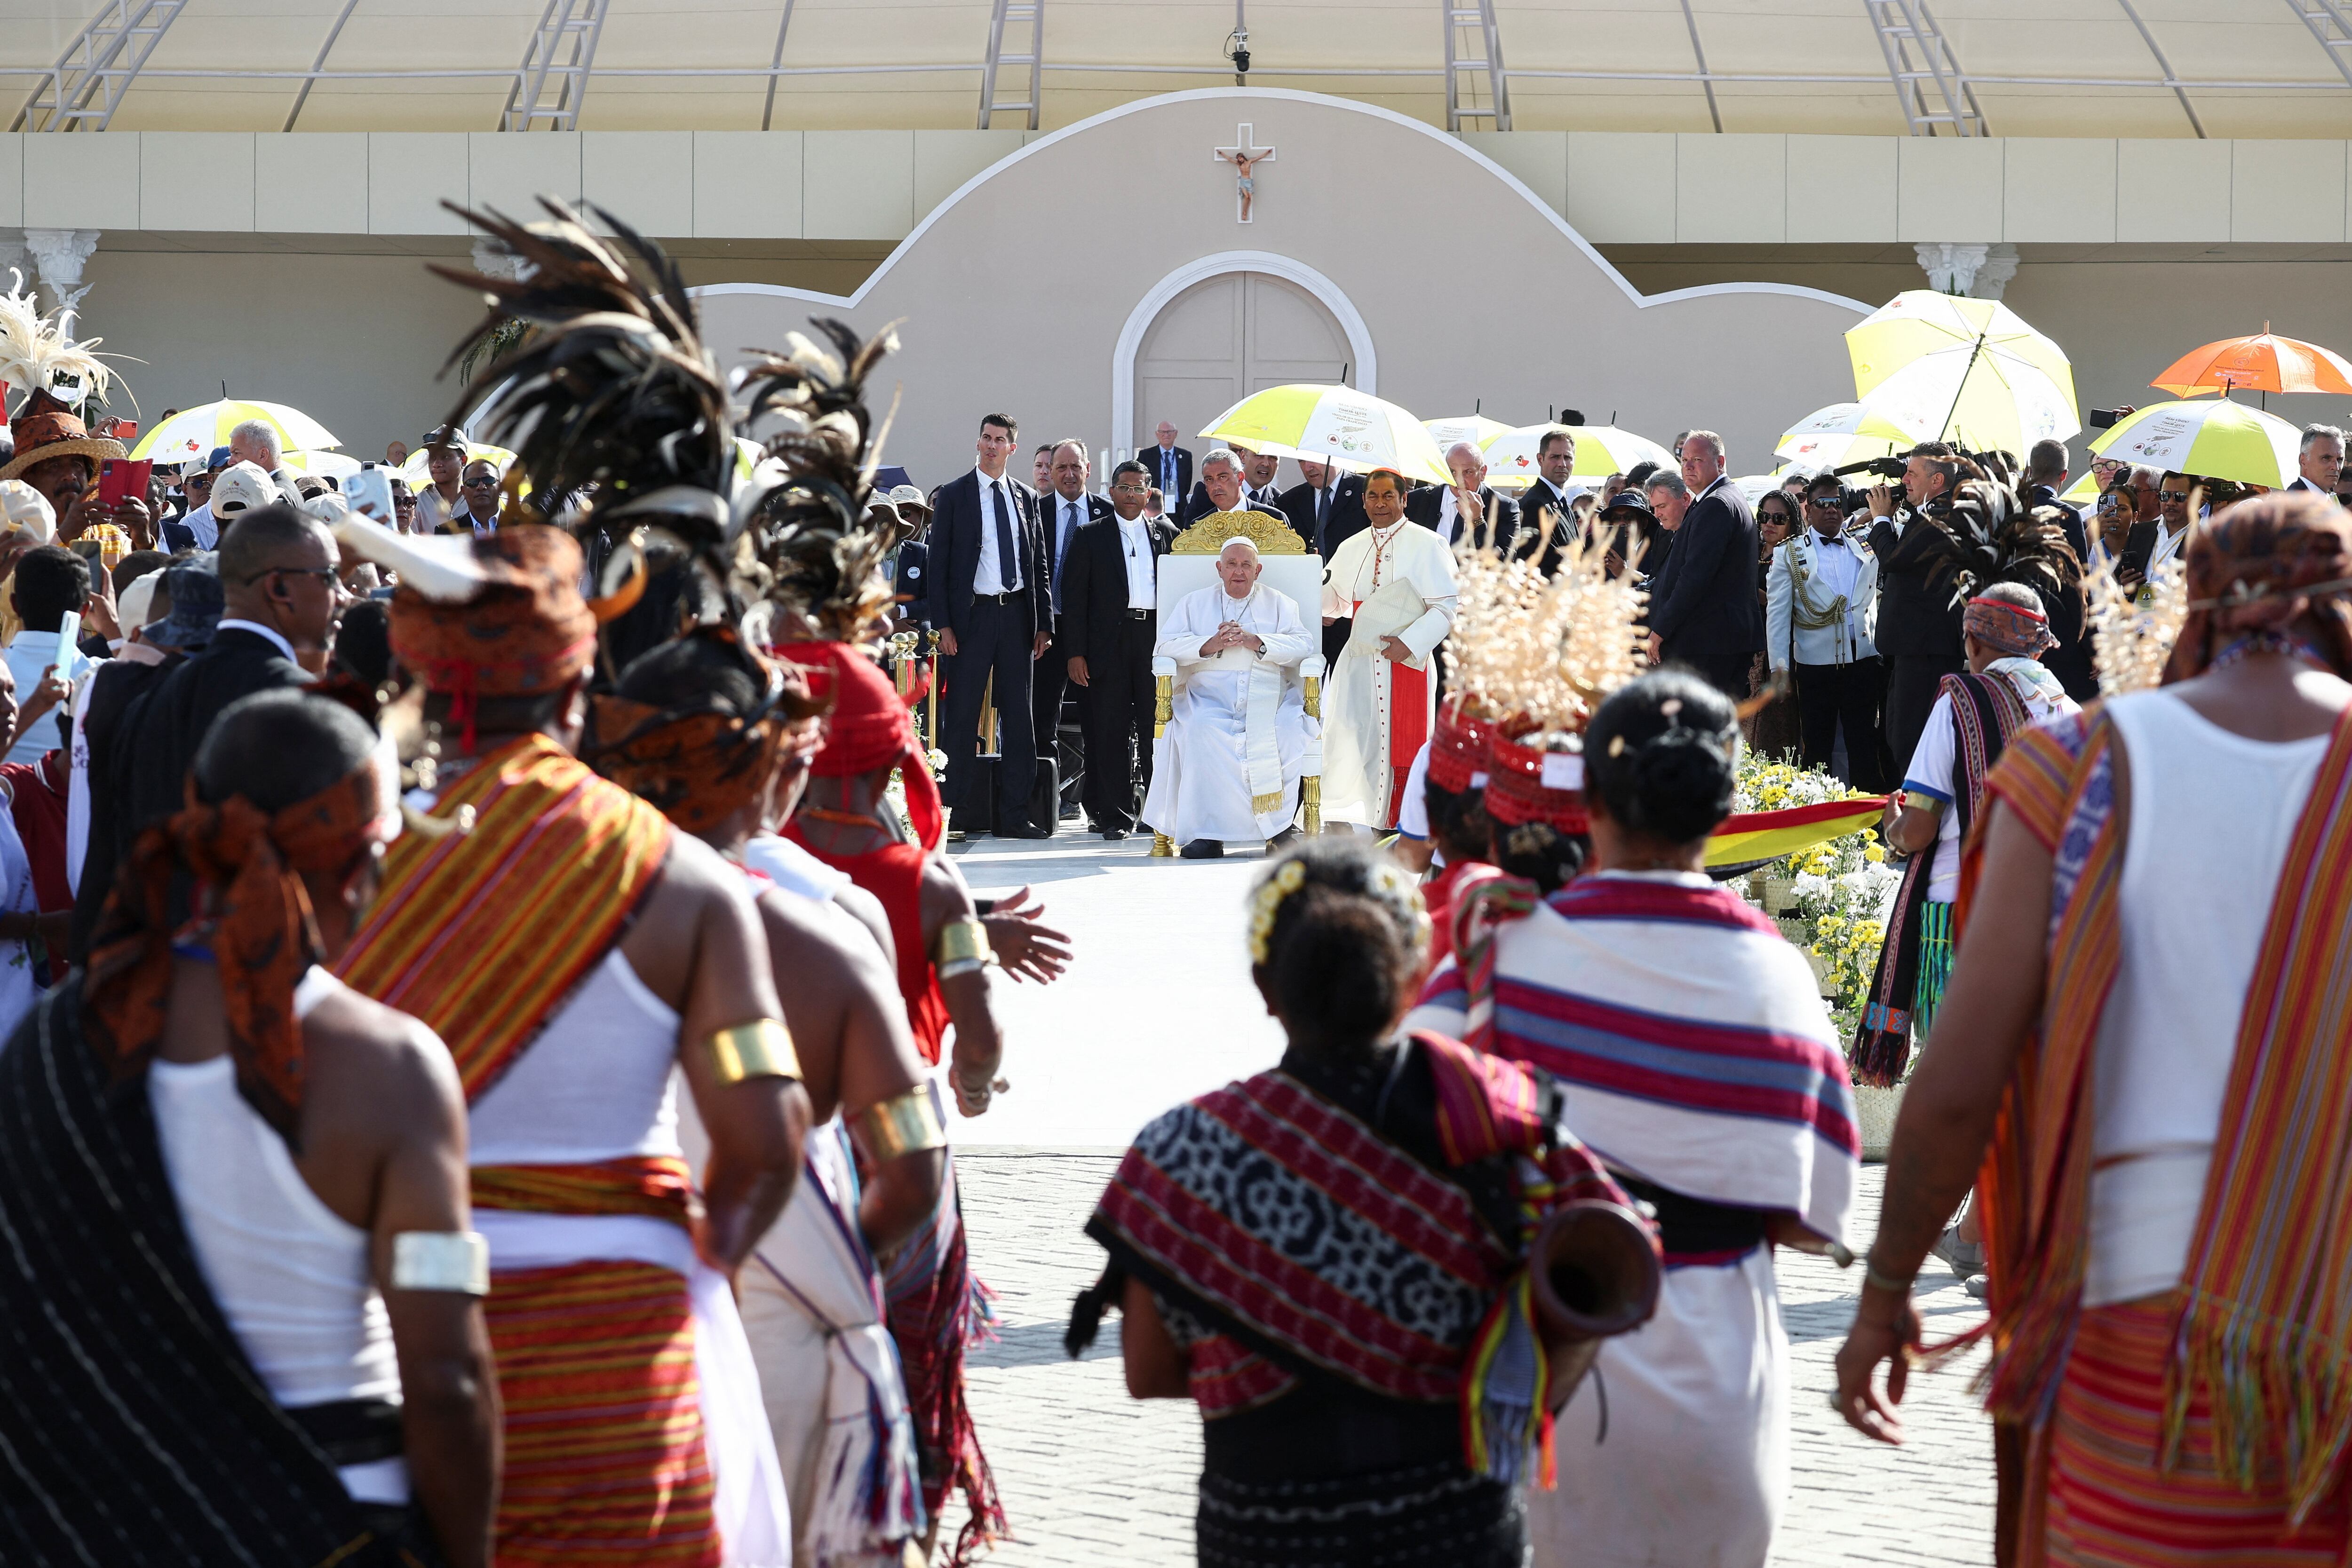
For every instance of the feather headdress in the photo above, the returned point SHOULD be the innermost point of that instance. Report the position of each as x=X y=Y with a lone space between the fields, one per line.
x=613 y=406
x=2132 y=641
x=1989 y=536
x=807 y=526
x=38 y=356
x=1538 y=652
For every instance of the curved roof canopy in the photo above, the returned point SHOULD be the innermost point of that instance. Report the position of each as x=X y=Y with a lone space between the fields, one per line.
x=2059 y=67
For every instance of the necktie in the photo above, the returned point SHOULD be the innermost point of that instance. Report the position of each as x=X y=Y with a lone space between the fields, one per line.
x=1062 y=547
x=1008 y=563
x=1166 y=471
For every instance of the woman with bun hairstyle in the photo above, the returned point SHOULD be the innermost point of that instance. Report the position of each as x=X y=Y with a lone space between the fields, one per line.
x=1690 y=1046
x=1328 y=1257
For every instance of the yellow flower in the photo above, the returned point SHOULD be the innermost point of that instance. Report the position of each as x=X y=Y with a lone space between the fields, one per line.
x=1875 y=852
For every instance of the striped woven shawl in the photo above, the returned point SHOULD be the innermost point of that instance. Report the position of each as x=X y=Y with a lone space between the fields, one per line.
x=132 y=1427
x=482 y=935
x=2266 y=1316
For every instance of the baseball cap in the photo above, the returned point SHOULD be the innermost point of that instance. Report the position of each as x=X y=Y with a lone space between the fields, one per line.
x=217 y=459
x=243 y=485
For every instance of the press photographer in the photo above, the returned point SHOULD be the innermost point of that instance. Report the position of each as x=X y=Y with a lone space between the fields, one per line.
x=1918 y=632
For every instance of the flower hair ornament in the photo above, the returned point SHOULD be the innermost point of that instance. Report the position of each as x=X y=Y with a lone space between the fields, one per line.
x=1386 y=881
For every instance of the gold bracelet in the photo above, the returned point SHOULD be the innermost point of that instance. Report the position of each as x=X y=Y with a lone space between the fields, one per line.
x=760 y=1049
x=905 y=1124
x=962 y=948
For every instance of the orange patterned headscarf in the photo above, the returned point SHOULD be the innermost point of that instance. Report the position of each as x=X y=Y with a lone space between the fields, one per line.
x=251 y=910
x=2248 y=569
x=699 y=766
x=527 y=631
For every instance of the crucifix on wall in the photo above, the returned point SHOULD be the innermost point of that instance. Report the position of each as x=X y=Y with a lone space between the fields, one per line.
x=1244 y=155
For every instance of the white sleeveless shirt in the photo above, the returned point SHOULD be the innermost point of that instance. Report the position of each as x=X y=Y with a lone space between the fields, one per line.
x=291 y=1276
x=2212 y=814
x=594 y=1085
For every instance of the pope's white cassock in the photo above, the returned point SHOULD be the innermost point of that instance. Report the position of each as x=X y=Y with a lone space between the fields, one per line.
x=1228 y=767
x=1376 y=710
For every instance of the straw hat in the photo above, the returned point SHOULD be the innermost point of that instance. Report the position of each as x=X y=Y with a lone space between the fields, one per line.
x=45 y=429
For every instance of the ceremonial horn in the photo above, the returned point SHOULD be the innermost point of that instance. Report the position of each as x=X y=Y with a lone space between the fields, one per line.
x=1596 y=1271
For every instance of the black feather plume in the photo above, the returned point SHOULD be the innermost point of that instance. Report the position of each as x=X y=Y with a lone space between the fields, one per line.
x=1989 y=536
x=807 y=405
x=610 y=400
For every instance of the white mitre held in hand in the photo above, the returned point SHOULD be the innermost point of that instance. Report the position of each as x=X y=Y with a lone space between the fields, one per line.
x=1227 y=768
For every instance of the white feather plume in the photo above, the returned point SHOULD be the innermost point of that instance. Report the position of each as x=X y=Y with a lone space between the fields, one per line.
x=442 y=566
x=36 y=356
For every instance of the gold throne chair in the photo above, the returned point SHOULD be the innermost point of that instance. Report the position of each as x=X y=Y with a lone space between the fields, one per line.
x=1190 y=565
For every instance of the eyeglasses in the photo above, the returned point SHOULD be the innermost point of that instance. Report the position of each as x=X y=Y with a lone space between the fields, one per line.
x=2172 y=495
x=1131 y=490
x=489 y=482
x=326 y=574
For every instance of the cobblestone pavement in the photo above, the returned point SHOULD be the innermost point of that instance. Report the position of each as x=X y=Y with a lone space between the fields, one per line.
x=1092 y=1477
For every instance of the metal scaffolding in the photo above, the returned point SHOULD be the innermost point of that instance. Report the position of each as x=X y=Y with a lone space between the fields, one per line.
x=552 y=79
x=84 y=88
x=1012 y=14
x=1473 y=46
x=1905 y=28
x=2330 y=22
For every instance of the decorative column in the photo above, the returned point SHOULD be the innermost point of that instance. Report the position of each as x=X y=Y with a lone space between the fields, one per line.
x=1950 y=268
x=12 y=253
x=60 y=255
x=1999 y=266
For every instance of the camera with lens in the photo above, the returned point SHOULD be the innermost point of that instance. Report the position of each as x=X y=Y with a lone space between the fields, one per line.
x=1888 y=469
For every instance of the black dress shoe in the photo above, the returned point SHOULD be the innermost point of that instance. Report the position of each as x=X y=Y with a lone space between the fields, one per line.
x=1026 y=831
x=1114 y=834
x=1281 y=841
x=1203 y=850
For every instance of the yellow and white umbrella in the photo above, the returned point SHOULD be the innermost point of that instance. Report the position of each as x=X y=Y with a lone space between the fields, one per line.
x=2216 y=439
x=1475 y=428
x=1332 y=424
x=332 y=464
x=1844 y=432
x=1970 y=370
x=1601 y=450
x=193 y=432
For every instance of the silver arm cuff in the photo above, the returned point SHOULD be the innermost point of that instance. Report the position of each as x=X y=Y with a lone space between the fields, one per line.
x=441 y=1260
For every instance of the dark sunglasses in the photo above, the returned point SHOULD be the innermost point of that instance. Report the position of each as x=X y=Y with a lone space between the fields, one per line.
x=2172 y=495
x=490 y=483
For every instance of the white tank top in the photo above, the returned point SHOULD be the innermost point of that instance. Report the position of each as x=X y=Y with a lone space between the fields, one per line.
x=290 y=1275
x=595 y=1084
x=2211 y=816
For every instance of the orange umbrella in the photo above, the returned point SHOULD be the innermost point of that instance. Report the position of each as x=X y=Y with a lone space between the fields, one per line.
x=2263 y=362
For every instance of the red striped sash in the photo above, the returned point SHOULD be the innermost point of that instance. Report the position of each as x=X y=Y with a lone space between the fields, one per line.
x=482 y=935
x=660 y=1186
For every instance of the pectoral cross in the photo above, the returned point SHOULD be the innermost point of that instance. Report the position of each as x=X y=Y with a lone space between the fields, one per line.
x=1245 y=154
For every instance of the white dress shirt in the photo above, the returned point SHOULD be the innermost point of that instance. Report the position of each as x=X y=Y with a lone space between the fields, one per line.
x=988 y=575
x=1067 y=515
x=1135 y=539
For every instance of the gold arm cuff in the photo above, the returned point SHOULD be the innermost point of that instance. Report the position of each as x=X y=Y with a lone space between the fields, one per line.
x=905 y=1124
x=962 y=948
x=760 y=1049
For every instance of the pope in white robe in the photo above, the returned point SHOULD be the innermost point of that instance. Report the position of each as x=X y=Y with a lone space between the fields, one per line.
x=1228 y=767
x=1395 y=581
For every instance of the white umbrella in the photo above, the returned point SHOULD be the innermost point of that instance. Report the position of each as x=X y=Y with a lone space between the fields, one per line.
x=332 y=464
x=193 y=431
x=1475 y=428
x=1845 y=433
x=1601 y=450
x=1336 y=424
x=1970 y=371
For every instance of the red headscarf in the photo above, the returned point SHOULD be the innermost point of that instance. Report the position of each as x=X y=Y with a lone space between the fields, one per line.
x=525 y=631
x=252 y=910
x=1458 y=747
x=2245 y=567
x=868 y=729
x=1517 y=790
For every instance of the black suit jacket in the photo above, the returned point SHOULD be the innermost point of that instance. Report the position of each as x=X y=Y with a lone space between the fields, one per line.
x=1346 y=515
x=1171 y=501
x=1049 y=526
x=1916 y=619
x=910 y=578
x=1094 y=584
x=954 y=542
x=154 y=745
x=1502 y=513
x=1704 y=603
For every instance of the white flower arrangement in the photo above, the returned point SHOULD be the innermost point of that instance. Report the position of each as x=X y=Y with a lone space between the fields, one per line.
x=1833 y=900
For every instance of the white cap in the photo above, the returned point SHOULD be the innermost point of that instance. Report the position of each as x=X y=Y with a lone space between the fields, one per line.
x=137 y=600
x=24 y=510
x=241 y=487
